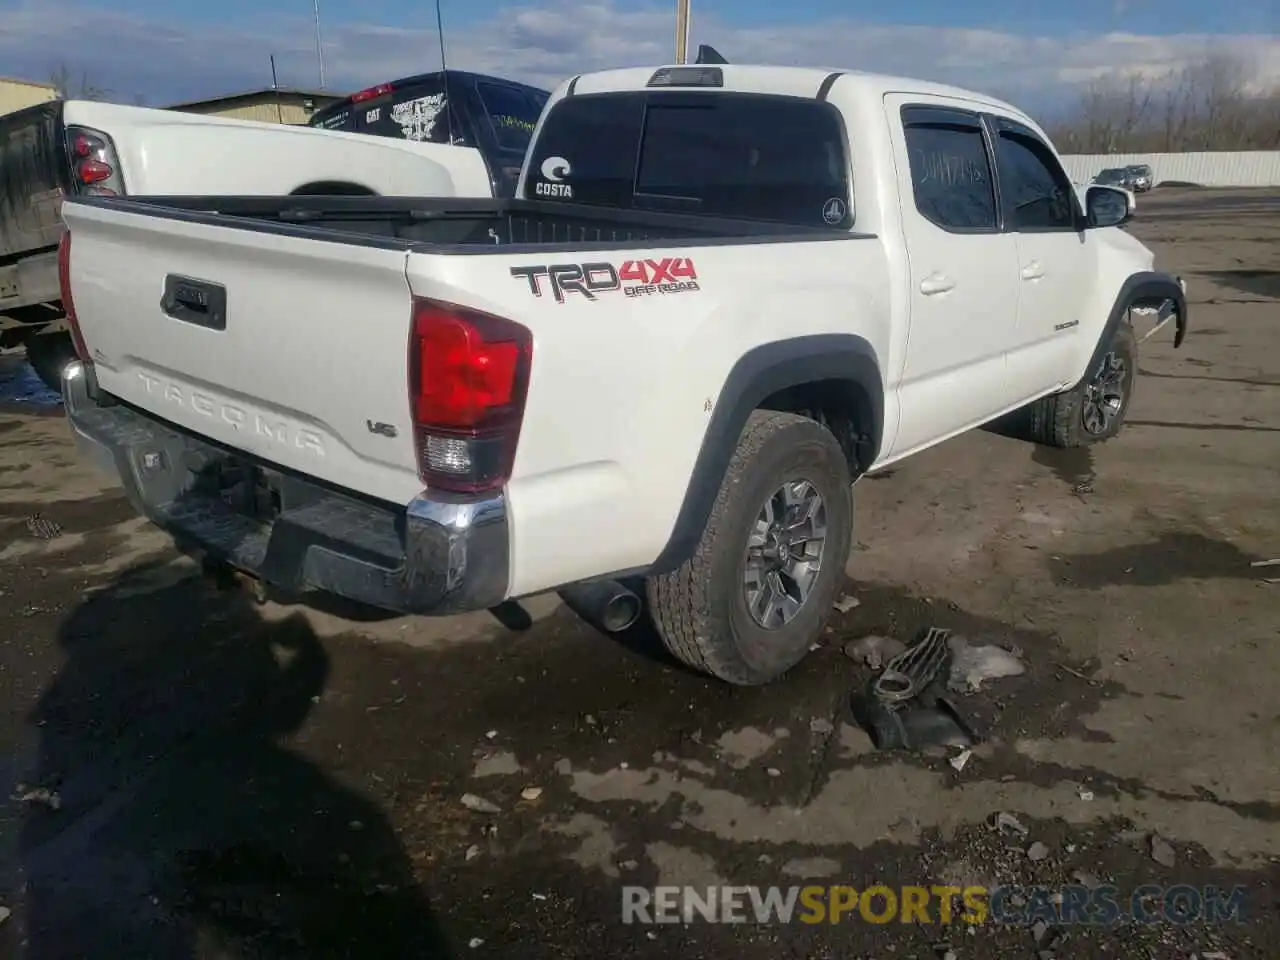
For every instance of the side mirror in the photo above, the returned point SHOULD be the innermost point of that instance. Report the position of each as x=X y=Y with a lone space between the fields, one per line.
x=1107 y=206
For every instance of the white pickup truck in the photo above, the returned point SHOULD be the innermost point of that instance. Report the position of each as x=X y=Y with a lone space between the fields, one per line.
x=721 y=295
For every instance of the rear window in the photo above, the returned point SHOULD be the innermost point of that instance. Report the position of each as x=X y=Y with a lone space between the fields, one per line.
x=751 y=156
x=419 y=112
x=512 y=111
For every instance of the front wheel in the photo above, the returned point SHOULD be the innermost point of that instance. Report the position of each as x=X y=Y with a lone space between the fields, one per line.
x=1094 y=410
x=747 y=606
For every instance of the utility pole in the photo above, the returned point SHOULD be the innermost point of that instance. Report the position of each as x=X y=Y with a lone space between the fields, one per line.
x=682 y=31
x=315 y=5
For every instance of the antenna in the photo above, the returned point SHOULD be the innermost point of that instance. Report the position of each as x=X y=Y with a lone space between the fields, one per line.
x=275 y=85
x=709 y=54
x=444 y=73
x=315 y=5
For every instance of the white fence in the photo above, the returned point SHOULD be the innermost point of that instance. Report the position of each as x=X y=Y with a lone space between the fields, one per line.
x=1255 y=168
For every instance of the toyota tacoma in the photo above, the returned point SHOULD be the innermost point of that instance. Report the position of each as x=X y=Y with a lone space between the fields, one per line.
x=721 y=295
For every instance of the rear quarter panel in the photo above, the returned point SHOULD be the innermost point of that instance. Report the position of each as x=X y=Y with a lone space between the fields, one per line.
x=623 y=387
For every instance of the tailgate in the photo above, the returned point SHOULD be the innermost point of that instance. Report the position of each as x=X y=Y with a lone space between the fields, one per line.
x=284 y=347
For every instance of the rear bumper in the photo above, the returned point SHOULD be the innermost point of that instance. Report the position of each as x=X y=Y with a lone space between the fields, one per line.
x=435 y=556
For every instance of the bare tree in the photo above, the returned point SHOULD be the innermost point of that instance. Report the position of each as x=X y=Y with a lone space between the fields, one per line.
x=64 y=81
x=1214 y=103
x=1112 y=109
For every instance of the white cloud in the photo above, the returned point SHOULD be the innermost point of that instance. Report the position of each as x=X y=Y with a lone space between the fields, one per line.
x=129 y=54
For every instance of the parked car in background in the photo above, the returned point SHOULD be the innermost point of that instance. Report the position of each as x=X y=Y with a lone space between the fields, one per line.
x=1140 y=177
x=453 y=134
x=1114 y=177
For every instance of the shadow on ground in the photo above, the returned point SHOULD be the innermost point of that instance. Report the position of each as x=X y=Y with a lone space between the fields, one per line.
x=1261 y=283
x=181 y=824
x=1169 y=558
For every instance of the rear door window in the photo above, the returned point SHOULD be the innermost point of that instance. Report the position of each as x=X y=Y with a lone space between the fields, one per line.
x=950 y=170
x=513 y=113
x=750 y=156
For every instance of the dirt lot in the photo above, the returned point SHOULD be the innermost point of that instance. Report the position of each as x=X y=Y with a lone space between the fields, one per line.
x=190 y=775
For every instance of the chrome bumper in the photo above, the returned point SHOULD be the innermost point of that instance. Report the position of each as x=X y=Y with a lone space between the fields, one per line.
x=438 y=555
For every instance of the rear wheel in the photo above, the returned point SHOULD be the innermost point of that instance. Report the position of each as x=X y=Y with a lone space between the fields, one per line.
x=1095 y=410
x=758 y=590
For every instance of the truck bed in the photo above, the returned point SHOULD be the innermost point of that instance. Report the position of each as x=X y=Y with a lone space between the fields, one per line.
x=442 y=225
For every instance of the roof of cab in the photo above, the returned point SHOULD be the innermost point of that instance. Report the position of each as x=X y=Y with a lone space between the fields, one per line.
x=792 y=81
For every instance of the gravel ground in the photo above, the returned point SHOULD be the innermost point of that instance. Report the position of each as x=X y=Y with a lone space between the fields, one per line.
x=188 y=774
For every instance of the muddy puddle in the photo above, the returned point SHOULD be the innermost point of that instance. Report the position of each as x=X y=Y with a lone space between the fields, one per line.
x=21 y=391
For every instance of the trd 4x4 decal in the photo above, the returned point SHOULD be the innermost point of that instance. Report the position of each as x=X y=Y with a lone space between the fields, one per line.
x=635 y=278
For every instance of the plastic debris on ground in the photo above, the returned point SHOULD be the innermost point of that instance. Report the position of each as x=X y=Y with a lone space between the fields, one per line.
x=847 y=603
x=971 y=666
x=906 y=707
x=874 y=651
x=479 y=804
x=43 y=528
x=1007 y=823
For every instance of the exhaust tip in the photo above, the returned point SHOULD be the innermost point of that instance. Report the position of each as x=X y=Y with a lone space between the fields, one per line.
x=621 y=612
x=605 y=604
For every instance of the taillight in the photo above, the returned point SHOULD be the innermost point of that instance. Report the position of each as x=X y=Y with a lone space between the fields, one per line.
x=372 y=92
x=64 y=291
x=95 y=168
x=468 y=378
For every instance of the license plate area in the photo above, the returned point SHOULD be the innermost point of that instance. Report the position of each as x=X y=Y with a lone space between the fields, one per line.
x=251 y=490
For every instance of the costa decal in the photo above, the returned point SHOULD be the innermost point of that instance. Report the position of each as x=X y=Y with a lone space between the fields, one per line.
x=635 y=278
x=554 y=170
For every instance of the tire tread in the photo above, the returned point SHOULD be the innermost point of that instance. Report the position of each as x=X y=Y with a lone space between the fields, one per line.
x=679 y=601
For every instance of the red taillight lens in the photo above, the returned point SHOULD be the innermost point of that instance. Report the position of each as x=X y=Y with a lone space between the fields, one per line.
x=372 y=92
x=95 y=168
x=64 y=291
x=84 y=145
x=93 y=171
x=469 y=375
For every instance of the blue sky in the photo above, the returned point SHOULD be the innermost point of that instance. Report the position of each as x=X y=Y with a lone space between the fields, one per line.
x=1034 y=52
x=1162 y=17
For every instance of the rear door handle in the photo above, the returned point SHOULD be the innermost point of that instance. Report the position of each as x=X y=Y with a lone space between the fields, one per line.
x=1033 y=271
x=935 y=284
